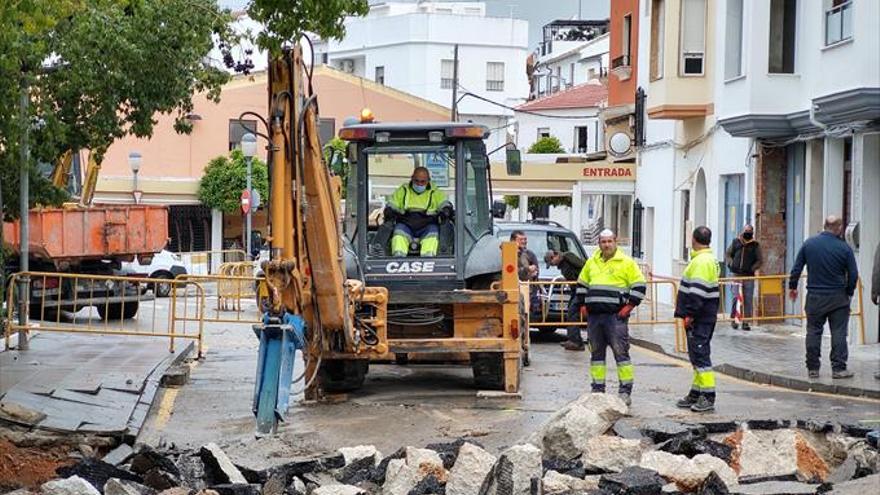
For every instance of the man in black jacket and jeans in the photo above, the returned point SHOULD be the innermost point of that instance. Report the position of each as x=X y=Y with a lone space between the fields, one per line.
x=744 y=259
x=570 y=265
x=831 y=281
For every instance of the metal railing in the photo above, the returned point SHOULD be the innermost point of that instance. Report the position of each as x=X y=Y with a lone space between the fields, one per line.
x=209 y=262
x=555 y=297
x=238 y=297
x=775 y=288
x=105 y=305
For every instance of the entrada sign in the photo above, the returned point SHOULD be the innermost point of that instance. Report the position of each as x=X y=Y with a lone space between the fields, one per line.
x=610 y=172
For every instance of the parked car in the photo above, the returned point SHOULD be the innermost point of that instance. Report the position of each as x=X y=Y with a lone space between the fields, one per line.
x=543 y=236
x=164 y=265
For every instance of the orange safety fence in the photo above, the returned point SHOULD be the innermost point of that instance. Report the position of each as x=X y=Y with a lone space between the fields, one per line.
x=105 y=305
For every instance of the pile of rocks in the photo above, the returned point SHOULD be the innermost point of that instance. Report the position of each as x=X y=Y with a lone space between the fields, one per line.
x=588 y=447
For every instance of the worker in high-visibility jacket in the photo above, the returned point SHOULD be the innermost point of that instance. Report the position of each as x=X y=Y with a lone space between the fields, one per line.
x=417 y=207
x=615 y=286
x=697 y=305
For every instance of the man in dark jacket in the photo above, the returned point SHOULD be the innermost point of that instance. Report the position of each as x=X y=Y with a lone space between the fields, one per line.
x=528 y=266
x=744 y=259
x=831 y=281
x=570 y=265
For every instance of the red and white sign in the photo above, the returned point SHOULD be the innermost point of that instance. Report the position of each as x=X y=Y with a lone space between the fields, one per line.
x=245 y=201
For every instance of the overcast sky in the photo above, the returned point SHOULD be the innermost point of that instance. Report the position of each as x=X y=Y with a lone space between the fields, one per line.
x=537 y=12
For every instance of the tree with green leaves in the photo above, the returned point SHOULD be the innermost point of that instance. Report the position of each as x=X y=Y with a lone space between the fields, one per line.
x=94 y=71
x=547 y=144
x=285 y=20
x=226 y=177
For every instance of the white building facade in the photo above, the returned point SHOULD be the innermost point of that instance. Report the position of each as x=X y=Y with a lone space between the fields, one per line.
x=802 y=85
x=410 y=47
x=765 y=113
x=563 y=60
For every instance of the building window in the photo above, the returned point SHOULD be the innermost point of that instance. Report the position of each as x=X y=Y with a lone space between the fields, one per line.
x=626 y=42
x=570 y=75
x=581 y=139
x=838 y=21
x=558 y=78
x=447 y=70
x=237 y=129
x=783 y=22
x=494 y=76
x=591 y=74
x=543 y=132
x=380 y=74
x=693 y=37
x=733 y=39
x=658 y=26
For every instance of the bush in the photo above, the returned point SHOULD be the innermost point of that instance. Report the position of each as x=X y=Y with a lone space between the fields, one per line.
x=548 y=144
x=226 y=177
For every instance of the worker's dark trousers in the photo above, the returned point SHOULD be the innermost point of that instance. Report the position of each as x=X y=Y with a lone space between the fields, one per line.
x=699 y=338
x=835 y=309
x=573 y=313
x=604 y=330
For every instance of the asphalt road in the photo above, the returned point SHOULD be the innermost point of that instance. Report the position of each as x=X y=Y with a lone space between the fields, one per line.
x=420 y=404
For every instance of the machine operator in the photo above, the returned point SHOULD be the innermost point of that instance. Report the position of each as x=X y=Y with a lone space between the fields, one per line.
x=418 y=208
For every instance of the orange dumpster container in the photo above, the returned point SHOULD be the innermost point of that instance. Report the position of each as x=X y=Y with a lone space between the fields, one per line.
x=98 y=232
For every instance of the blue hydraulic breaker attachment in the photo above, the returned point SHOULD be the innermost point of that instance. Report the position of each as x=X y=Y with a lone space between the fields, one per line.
x=280 y=338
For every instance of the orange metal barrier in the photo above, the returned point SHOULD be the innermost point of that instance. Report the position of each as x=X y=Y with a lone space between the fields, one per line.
x=238 y=296
x=555 y=295
x=209 y=262
x=113 y=305
x=775 y=288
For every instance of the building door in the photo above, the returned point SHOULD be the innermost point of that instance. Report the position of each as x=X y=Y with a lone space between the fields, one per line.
x=794 y=206
x=732 y=206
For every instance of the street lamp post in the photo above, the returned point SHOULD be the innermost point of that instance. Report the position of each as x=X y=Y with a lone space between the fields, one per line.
x=134 y=162
x=249 y=149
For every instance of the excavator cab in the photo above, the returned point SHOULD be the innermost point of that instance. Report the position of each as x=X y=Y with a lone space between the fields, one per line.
x=455 y=155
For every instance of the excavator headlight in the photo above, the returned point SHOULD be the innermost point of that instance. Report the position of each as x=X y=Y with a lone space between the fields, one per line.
x=435 y=137
x=382 y=137
x=353 y=134
x=466 y=132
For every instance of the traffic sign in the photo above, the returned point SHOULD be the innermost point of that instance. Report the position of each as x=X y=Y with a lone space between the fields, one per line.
x=256 y=201
x=245 y=201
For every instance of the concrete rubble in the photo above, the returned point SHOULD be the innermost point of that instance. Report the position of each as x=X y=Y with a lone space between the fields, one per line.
x=588 y=447
x=566 y=433
x=470 y=469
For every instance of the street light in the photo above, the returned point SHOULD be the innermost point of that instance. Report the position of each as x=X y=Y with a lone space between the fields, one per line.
x=249 y=149
x=134 y=162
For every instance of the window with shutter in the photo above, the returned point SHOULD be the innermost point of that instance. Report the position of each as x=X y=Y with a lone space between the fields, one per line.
x=693 y=37
x=494 y=76
x=447 y=69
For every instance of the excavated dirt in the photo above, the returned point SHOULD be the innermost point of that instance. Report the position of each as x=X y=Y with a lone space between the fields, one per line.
x=29 y=467
x=809 y=462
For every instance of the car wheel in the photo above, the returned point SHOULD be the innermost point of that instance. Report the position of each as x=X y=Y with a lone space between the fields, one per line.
x=160 y=289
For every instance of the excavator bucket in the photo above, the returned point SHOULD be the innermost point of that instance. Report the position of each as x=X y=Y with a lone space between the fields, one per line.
x=279 y=341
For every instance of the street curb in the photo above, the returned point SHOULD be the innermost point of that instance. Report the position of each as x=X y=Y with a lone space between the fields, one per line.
x=798 y=384
x=149 y=393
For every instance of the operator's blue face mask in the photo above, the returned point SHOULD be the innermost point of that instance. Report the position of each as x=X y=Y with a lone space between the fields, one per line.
x=419 y=189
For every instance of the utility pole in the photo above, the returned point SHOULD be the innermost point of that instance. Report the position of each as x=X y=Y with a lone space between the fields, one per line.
x=455 y=84
x=580 y=17
x=24 y=233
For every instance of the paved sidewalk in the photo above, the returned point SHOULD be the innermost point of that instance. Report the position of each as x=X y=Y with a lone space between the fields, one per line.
x=83 y=383
x=774 y=355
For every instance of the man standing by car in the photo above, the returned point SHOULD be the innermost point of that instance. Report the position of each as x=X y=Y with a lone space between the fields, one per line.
x=744 y=259
x=832 y=275
x=697 y=305
x=570 y=265
x=528 y=265
x=615 y=286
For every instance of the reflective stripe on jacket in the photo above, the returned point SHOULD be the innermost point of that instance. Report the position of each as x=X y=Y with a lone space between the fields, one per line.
x=406 y=200
x=698 y=294
x=611 y=284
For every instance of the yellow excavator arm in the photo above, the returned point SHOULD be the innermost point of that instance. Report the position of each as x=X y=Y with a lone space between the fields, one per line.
x=61 y=172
